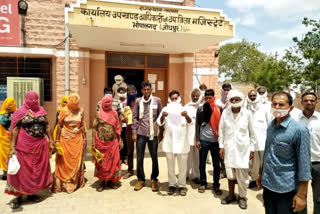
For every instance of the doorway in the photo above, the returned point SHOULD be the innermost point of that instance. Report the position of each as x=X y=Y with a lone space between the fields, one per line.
x=130 y=76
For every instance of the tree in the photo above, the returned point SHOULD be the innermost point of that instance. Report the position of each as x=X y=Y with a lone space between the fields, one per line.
x=305 y=56
x=243 y=62
x=239 y=60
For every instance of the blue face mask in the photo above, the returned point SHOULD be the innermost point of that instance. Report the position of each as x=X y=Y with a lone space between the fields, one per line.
x=131 y=97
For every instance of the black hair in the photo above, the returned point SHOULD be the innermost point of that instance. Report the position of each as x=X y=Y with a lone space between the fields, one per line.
x=107 y=90
x=309 y=93
x=131 y=87
x=226 y=85
x=145 y=84
x=209 y=92
x=174 y=92
x=121 y=88
x=290 y=99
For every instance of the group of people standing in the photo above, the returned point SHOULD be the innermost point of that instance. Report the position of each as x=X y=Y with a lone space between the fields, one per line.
x=246 y=137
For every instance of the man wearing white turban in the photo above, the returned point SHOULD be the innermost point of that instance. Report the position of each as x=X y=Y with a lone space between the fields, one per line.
x=236 y=142
x=118 y=83
x=261 y=117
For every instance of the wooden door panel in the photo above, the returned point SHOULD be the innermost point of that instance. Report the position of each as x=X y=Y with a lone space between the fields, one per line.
x=158 y=79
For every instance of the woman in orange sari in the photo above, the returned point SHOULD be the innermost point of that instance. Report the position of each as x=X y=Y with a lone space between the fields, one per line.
x=106 y=138
x=7 y=108
x=71 y=135
x=63 y=103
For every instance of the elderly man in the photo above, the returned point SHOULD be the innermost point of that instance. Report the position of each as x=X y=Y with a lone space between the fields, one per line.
x=118 y=83
x=175 y=143
x=236 y=141
x=286 y=168
x=193 y=156
x=260 y=119
x=311 y=119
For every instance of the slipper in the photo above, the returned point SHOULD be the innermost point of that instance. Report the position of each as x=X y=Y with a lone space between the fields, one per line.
x=100 y=187
x=202 y=189
x=227 y=200
x=16 y=203
x=114 y=185
x=127 y=175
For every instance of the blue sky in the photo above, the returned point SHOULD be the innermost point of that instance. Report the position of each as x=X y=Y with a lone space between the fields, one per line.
x=272 y=23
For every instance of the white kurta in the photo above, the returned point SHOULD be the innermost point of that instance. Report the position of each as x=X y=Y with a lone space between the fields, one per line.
x=260 y=120
x=175 y=137
x=237 y=138
x=192 y=112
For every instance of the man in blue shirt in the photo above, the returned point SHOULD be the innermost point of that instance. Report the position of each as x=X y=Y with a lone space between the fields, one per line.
x=287 y=168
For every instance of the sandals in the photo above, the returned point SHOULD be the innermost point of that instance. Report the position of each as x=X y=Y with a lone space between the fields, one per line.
x=202 y=189
x=127 y=175
x=113 y=185
x=182 y=191
x=100 y=187
x=171 y=190
x=227 y=200
x=16 y=203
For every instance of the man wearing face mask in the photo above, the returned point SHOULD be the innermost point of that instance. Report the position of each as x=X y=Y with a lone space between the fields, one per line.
x=193 y=156
x=174 y=143
x=263 y=96
x=122 y=94
x=260 y=119
x=223 y=102
x=131 y=99
x=286 y=169
x=207 y=126
x=236 y=142
x=118 y=83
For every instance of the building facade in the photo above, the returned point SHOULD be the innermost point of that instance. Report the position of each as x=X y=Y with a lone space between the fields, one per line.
x=170 y=43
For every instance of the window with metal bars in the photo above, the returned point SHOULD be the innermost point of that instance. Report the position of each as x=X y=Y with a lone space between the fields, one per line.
x=27 y=67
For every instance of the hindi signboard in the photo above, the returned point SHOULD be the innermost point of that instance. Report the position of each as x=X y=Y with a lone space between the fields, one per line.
x=9 y=23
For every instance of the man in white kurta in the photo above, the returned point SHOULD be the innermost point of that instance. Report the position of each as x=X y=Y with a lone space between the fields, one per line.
x=175 y=120
x=236 y=142
x=193 y=156
x=261 y=117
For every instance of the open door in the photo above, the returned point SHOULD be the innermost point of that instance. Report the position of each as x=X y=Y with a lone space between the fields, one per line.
x=158 y=79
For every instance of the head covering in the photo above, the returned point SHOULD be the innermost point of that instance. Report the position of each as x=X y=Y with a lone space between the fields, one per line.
x=31 y=102
x=200 y=97
x=9 y=102
x=118 y=79
x=106 y=112
x=72 y=105
x=73 y=102
x=63 y=102
x=252 y=105
x=263 y=98
x=215 y=116
x=235 y=93
x=178 y=101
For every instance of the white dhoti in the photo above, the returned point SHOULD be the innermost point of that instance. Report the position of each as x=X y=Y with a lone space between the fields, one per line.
x=242 y=177
x=182 y=160
x=193 y=162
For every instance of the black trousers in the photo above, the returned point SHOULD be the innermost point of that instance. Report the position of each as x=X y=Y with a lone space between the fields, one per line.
x=279 y=203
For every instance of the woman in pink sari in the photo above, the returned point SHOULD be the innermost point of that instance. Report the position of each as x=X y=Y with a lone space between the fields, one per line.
x=29 y=133
x=106 y=138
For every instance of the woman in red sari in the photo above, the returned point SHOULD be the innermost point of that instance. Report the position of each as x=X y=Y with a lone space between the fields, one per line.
x=106 y=138
x=29 y=132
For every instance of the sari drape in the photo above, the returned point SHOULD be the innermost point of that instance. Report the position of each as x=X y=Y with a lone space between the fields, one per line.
x=34 y=173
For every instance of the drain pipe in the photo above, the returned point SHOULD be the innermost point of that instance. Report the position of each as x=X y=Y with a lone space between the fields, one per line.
x=66 y=50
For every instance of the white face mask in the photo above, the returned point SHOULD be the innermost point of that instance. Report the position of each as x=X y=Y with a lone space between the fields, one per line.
x=122 y=95
x=279 y=113
x=236 y=105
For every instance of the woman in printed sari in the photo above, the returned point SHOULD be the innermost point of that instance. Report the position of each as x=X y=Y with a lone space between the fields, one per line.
x=106 y=138
x=7 y=108
x=71 y=135
x=63 y=103
x=29 y=132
